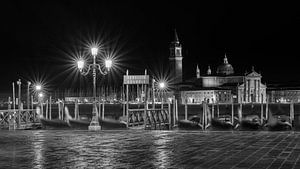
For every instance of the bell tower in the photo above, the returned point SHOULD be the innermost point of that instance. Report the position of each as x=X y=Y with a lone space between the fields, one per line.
x=175 y=59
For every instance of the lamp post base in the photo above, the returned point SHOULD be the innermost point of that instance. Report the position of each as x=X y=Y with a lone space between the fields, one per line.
x=94 y=125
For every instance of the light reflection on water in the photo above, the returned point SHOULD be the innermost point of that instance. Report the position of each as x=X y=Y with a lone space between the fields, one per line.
x=83 y=149
x=118 y=149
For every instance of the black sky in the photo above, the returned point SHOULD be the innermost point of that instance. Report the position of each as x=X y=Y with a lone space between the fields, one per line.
x=36 y=36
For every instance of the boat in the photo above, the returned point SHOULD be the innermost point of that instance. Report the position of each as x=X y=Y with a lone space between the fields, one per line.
x=79 y=124
x=279 y=123
x=54 y=124
x=250 y=122
x=110 y=124
x=193 y=123
x=221 y=123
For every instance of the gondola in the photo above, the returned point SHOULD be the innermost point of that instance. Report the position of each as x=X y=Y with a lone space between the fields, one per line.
x=111 y=124
x=251 y=122
x=222 y=123
x=79 y=124
x=54 y=124
x=279 y=123
x=193 y=123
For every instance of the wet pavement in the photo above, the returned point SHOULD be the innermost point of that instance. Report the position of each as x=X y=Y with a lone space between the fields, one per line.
x=149 y=149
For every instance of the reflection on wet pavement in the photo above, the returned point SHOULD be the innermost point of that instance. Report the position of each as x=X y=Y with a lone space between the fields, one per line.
x=148 y=149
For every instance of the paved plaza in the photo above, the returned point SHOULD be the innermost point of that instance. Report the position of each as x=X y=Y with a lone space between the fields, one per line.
x=255 y=150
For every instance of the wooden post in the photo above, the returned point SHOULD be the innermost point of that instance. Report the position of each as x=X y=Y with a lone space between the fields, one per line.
x=103 y=104
x=47 y=109
x=262 y=110
x=33 y=112
x=203 y=114
x=232 y=110
x=267 y=109
x=240 y=112
x=14 y=97
x=174 y=110
x=42 y=111
x=62 y=110
x=153 y=94
x=169 y=115
x=292 y=112
x=185 y=108
x=176 y=102
x=213 y=110
x=99 y=105
x=50 y=108
x=59 y=110
x=218 y=109
x=145 y=106
x=127 y=99
x=19 y=102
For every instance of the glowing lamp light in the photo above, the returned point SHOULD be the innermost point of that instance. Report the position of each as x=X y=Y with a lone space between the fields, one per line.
x=38 y=87
x=162 y=85
x=94 y=51
x=80 y=64
x=108 y=63
x=41 y=95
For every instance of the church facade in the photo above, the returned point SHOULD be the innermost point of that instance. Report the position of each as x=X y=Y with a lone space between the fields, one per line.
x=222 y=86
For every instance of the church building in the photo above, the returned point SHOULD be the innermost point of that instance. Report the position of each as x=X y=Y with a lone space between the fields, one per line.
x=222 y=86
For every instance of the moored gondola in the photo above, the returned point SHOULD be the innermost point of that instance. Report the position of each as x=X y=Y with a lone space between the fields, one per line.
x=251 y=122
x=54 y=124
x=279 y=123
x=193 y=123
x=222 y=123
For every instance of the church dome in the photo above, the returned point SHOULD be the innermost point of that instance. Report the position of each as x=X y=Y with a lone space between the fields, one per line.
x=225 y=68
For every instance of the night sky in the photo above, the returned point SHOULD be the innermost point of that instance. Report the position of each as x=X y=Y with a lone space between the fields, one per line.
x=38 y=38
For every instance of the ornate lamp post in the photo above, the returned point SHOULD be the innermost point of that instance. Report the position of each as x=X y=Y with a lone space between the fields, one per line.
x=94 y=125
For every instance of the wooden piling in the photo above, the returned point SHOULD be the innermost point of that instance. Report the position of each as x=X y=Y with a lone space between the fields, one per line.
x=232 y=110
x=292 y=112
x=50 y=108
x=103 y=104
x=262 y=110
x=46 y=109
x=185 y=109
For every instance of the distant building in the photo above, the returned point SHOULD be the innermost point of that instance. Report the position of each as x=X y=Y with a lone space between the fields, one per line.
x=222 y=86
x=283 y=93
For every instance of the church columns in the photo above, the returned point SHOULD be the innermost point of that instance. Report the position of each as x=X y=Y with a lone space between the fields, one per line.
x=255 y=90
x=259 y=93
x=245 y=91
x=249 y=91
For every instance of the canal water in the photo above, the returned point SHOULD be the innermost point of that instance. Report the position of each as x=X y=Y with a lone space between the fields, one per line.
x=127 y=149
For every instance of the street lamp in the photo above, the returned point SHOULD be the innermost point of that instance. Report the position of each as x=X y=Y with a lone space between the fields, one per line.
x=38 y=87
x=94 y=125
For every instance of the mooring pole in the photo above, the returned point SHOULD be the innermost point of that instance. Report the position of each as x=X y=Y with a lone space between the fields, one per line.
x=14 y=97
x=19 y=102
x=103 y=109
x=47 y=117
x=185 y=108
x=232 y=110
x=292 y=112
x=267 y=108
x=33 y=112
x=28 y=101
x=127 y=98
x=169 y=115
x=262 y=110
x=50 y=107
x=203 y=114
x=213 y=110
x=153 y=94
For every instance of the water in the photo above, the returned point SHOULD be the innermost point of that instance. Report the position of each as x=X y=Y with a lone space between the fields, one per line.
x=131 y=148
